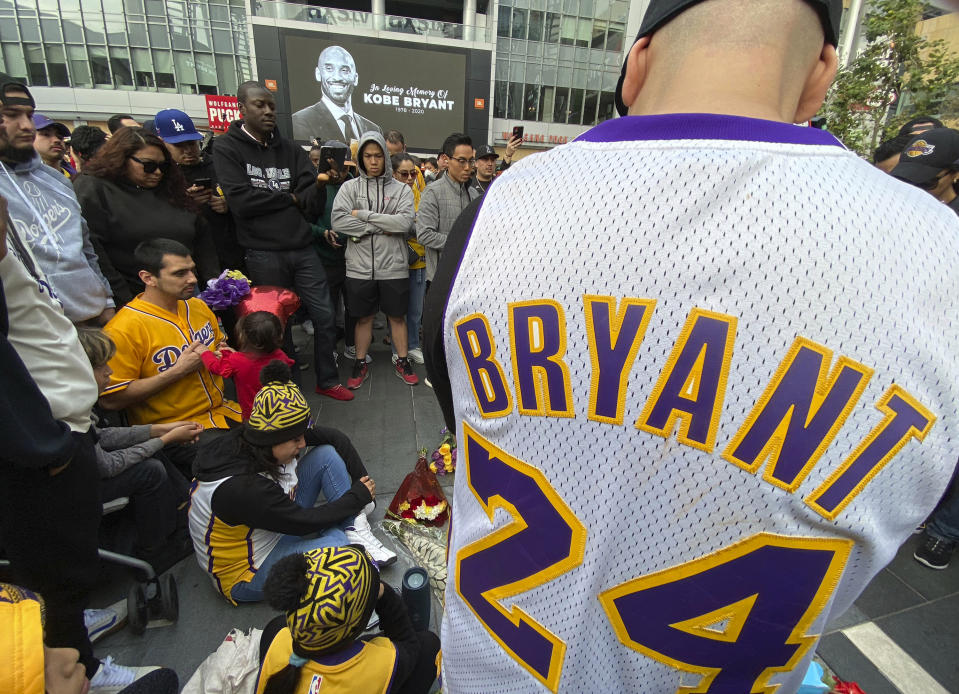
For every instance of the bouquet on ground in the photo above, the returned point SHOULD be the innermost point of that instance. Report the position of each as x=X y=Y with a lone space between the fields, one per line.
x=225 y=291
x=443 y=459
x=420 y=498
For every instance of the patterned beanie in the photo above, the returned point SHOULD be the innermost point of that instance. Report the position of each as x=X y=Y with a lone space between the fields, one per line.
x=337 y=604
x=280 y=412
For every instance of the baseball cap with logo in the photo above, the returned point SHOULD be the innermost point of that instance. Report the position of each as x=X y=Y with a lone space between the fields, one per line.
x=41 y=121
x=927 y=154
x=173 y=126
x=660 y=12
x=484 y=151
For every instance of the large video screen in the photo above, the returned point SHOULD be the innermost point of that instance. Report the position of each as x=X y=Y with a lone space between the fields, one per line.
x=342 y=87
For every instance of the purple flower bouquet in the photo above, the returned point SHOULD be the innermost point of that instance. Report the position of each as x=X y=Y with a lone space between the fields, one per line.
x=226 y=290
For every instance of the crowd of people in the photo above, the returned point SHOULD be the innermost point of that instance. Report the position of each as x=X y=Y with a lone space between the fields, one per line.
x=117 y=368
x=112 y=381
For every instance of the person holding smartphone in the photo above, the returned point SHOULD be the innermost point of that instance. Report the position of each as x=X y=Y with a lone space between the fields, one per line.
x=180 y=136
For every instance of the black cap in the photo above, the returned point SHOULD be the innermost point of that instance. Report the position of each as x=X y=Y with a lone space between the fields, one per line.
x=660 y=12
x=9 y=84
x=484 y=151
x=928 y=154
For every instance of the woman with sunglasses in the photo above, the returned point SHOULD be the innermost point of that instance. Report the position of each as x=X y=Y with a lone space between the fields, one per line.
x=404 y=171
x=130 y=192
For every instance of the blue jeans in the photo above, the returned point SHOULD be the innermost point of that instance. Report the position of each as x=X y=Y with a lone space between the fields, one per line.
x=320 y=470
x=414 y=310
x=302 y=272
x=945 y=521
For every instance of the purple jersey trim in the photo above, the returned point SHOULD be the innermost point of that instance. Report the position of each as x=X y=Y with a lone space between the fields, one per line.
x=705 y=126
x=341 y=656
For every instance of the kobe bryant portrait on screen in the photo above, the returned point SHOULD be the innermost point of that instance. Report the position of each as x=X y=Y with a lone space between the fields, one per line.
x=333 y=117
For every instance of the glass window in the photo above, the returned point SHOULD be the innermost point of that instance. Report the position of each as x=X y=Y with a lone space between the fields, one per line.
x=72 y=32
x=517 y=71
x=120 y=66
x=534 y=50
x=502 y=22
x=133 y=6
x=619 y=11
x=57 y=65
x=159 y=36
x=206 y=68
x=51 y=30
x=546 y=104
x=155 y=7
x=560 y=105
x=571 y=6
x=614 y=40
x=530 y=101
x=575 y=106
x=586 y=8
x=142 y=67
x=93 y=29
x=185 y=68
x=163 y=69
x=514 y=106
x=36 y=65
x=226 y=74
x=29 y=28
x=499 y=99
x=551 y=28
x=180 y=31
x=519 y=24
x=589 y=107
x=567 y=34
x=137 y=33
x=599 y=35
x=535 y=25
x=116 y=30
x=607 y=106
x=8 y=30
x=13 y=59
x=579 y=78
x=584 y=32
x=79 y=67
x=222 y=41
x=100 y=65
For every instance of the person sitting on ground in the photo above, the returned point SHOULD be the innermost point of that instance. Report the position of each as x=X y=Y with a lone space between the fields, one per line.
x=128 y=468
x=254 y=500
x=130 y=192
x=376 y=212
x=85 y=141
x=158 y=375
x=327 y=596
x=33 y=668
x=260 y=338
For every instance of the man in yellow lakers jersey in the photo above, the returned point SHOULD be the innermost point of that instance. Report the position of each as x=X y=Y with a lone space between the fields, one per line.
x=158 y=376
x=327 y=596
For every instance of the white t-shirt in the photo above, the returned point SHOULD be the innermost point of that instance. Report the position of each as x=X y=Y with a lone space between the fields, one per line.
x=709 y=394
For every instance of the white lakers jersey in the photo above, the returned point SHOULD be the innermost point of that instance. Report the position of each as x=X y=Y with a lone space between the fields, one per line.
x=705 y=373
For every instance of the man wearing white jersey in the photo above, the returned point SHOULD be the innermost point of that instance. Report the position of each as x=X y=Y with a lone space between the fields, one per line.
x=687 y=451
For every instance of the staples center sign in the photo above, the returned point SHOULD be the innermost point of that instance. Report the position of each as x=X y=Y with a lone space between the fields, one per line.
x=539 y=138
x=221 y=111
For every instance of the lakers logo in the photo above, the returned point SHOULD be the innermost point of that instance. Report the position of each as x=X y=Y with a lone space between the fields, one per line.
x=919 y=148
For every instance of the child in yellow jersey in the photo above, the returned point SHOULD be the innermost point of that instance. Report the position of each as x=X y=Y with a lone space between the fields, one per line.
x=328 y=596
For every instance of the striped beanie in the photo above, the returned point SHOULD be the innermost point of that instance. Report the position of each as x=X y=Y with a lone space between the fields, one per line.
x=280 y=412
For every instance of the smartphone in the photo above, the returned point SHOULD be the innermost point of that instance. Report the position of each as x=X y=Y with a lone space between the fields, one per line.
x=337 y=154
x=518 y=131
x=203 y=183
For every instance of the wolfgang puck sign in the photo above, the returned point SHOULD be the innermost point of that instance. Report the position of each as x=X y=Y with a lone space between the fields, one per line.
x=221 y=111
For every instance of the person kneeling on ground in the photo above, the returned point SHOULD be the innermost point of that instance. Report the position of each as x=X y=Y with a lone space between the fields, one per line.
x=253 y=501
x=328 y=595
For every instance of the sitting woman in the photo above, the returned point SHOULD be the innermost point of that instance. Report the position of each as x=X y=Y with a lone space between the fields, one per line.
x=253 y=501
x=327 y=596
x=131 y=192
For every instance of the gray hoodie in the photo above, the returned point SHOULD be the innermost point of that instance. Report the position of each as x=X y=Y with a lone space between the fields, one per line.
x=383 y=222
x=44 y=208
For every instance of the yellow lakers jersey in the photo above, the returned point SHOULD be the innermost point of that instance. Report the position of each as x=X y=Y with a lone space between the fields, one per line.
x=149 y=341
x=364 y=667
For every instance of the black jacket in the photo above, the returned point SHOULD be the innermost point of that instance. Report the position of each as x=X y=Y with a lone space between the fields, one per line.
x=221 y=226
x=259 y=182
x=251 y=499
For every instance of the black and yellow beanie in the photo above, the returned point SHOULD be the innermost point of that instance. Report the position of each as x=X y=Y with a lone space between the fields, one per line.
x=280 y=412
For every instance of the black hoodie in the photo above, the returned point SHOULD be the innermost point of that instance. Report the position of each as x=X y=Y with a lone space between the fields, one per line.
x=259 y=182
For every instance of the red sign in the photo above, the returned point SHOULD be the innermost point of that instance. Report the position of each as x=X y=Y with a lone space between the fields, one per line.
x=479 y=104
x=270 y=84
x=221 y=111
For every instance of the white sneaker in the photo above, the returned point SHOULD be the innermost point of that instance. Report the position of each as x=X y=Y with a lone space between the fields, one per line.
x=416 y=355
x=111 y=678
x=350 y=353
x=427 y=382
x=361 y=533
x=308 y=326
x=99 y=623
x=394 y=358
x=368 y=509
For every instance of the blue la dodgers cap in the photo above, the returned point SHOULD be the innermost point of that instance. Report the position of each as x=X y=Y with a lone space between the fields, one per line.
x=173 y=126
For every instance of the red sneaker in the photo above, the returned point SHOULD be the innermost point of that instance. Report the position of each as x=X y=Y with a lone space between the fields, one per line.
x=360 y=372
x=403 y=369
x=337 y=392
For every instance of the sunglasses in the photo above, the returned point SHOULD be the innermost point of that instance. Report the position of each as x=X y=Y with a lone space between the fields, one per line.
x=406 y=174
x=150 y=166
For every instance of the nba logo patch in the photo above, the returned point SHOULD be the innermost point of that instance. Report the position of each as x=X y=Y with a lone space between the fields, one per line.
x=315 y=684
